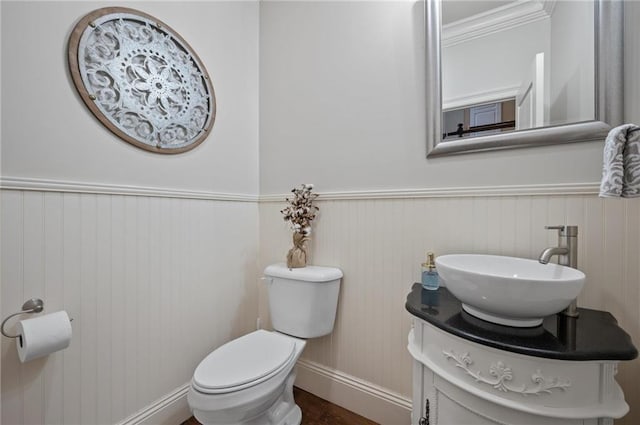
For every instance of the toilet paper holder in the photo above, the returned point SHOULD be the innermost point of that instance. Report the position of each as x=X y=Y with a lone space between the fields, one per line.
x=34 y=305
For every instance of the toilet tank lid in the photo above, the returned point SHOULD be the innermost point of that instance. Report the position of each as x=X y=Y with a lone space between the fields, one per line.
x=307 y=274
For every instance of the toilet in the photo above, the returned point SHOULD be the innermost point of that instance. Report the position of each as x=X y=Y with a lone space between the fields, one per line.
x=249 y=380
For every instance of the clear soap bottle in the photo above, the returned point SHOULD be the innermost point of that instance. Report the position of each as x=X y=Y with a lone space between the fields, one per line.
x=430 y=278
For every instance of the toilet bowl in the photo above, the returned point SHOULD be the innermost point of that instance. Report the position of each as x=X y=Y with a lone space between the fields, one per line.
x=249 y=381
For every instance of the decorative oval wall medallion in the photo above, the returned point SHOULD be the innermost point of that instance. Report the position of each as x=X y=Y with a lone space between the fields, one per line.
x=141 y=80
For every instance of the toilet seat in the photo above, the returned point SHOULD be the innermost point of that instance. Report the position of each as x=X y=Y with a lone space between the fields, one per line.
x=244 y=362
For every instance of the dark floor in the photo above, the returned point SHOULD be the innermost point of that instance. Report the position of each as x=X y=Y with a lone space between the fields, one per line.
x=316 y=411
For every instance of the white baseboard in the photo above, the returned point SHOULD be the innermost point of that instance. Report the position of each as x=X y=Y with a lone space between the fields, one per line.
x=364 y=398
x=172 y=409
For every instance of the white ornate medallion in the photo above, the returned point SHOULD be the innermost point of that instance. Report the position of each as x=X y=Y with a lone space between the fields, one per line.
x=141 y=80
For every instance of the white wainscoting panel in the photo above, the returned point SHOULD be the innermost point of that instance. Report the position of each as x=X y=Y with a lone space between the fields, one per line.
x=380 y=243
x=153 y=284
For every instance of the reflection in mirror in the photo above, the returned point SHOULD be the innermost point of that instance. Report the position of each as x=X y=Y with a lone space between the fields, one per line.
x=542 y=54
x=480 y=120
x=521 y=73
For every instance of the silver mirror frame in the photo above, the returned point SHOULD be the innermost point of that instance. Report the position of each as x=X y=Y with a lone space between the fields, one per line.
x=609 y=95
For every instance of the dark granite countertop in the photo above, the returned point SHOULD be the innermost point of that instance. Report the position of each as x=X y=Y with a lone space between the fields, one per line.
x=595 y=335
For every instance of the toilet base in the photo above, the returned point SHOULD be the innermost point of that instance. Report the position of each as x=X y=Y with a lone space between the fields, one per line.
x=282 y=411
x=294 y=417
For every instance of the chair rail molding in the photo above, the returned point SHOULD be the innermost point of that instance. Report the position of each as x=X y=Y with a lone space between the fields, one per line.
x=47 y=185
x=561 y=189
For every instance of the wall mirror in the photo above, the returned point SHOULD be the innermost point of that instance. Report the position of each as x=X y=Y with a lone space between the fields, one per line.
x=504 y=74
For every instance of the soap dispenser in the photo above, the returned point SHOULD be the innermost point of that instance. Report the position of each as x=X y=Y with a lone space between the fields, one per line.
x=430 y=278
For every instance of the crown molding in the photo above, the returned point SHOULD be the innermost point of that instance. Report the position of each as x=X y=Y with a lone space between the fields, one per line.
x=47 y=185
x=479 y=98
x=502 y=18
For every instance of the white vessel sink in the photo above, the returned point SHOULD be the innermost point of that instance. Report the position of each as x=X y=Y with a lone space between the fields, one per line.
x=509 y=291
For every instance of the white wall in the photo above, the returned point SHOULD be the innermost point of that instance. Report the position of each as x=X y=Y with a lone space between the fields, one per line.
x=49 y=133
x=1 y=313
x=380 y=243
x=154 y=281
x=631 y=61
x=494 y=62
x=572 y=56
x=153 y=284
x=342 y=106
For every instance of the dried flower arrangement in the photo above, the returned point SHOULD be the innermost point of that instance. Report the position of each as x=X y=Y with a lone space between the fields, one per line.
x=300 y=213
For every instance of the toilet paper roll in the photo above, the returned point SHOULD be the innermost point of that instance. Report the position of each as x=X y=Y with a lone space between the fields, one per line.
x=43 y=335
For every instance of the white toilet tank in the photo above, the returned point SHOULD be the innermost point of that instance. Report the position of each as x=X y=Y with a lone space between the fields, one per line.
x=303 y=301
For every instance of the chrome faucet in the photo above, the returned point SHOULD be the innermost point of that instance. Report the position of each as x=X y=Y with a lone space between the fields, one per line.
x=546 y=255
x=567 y=252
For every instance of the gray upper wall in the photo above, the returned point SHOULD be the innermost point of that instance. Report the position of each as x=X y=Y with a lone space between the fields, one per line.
x=341 y=103
x=49 y=134
x=342 y=106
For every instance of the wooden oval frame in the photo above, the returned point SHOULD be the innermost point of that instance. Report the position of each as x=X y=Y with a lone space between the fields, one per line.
x=74 y=69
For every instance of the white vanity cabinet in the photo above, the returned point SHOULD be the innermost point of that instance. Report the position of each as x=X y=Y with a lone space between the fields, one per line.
x=464 y=374
x=465 y=383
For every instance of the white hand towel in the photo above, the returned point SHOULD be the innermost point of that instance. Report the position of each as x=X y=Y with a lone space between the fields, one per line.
x=621 y=163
